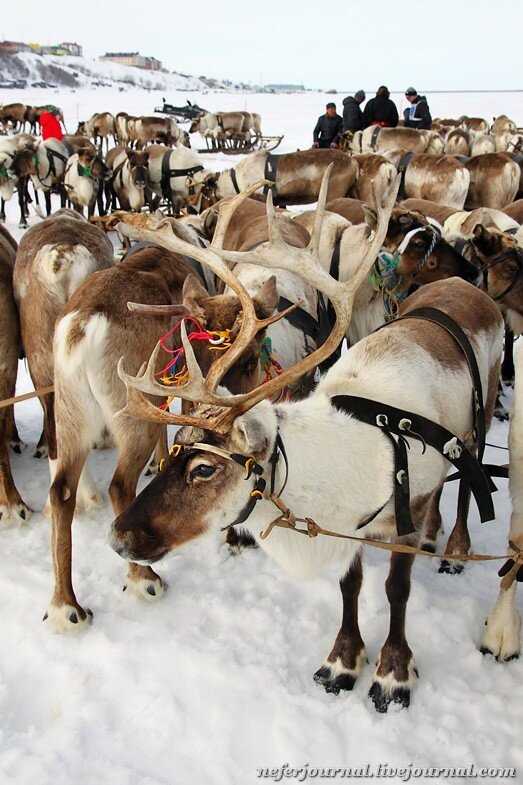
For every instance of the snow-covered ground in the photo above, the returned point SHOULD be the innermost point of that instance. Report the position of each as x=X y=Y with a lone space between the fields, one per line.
x=215 y=680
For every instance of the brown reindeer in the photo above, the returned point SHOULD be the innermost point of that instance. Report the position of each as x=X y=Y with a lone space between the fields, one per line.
x=13 y=114
x=439 y=178
x=100 y=127
x=96 y=329
x=457 y=142
x=53 y=259
x=494 y=180
x=11 y=503
x=83 y=180
x=375 y=173
x=297 y=176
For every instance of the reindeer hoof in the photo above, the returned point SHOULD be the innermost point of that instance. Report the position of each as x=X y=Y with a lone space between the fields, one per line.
x=334 y=684
x=68 y=618
x=500 y=413
x=17 y=512
x=149 y=589
x=428 y=546
x=501 y=638
x=18 y=447
x=334 y=676
x=382 y=697
x=41 y=452
x=451 y=568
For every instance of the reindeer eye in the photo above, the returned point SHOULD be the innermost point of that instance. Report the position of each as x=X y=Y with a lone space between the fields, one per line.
x=203 y=470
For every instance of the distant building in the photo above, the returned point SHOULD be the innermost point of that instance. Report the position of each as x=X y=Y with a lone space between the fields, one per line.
x=134 y=59
x=285 y=88
x=13 y=47
x=65 y=48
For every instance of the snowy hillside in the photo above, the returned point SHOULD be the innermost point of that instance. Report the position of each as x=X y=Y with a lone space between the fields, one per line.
x=86 y=72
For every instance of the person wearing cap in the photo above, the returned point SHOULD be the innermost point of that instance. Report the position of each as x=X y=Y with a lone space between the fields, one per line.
x=417 y=115
x=328 y=129
x=381 y=110
x=352 y=114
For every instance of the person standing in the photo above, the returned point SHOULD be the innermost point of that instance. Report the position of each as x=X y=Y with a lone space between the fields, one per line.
x=381 y=110
x=352 y=114
x=417 y=115
x=50 y=124
x=328 y=129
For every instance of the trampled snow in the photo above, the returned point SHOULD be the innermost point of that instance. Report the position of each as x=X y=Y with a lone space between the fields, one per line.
x=214 y=681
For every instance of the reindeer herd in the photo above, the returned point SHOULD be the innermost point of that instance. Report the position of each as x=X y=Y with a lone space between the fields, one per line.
x=236 y=310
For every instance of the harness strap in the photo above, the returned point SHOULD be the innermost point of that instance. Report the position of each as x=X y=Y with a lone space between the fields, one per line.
x=405 y=160
x=440 y=318
x=374 y=137
x=326 y=313
x=401 y=424
x=271 y=171
x=234 y=180
x=300 y=319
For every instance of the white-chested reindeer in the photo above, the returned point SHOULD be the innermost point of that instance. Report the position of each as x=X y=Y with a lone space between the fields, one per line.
x=340 y=470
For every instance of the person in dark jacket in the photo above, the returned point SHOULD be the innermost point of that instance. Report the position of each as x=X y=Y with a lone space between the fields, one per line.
x=417 y=115
x=381 y=110
x=352 y=114
x=328 y=129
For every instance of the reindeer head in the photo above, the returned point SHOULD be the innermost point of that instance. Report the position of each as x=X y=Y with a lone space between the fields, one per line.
x=423 y=255
x=139 y=165
x=92 y=165
x=501 y=261
x=228 y=435
x=195 y=125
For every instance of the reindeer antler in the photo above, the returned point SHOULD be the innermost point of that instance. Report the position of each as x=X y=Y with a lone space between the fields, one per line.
x=274 y=254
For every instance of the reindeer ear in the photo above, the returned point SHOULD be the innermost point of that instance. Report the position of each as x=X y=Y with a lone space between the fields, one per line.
x=266 y=299
x=251 y=433
x=192 y=294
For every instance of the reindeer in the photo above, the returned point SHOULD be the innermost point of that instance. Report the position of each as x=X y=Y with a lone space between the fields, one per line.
x=297 y=177
x=460 y=224
x=502 y=124
x=375 y=173
x=458 y=142
x=100 y=126
x=340 y=469
x=160 y=130
x=83 y=177
x=379 y=140
x=176 y=175
x=13 y=114
x=53 y=259
x=515 y=211
x=475 y=124
x=50 y=159
x=96 y=328
x=439 y=178
x=12 y=505
x=14 y=175
x=494 y=180
x=124 y=126
x=482 y=144
x=130 y=178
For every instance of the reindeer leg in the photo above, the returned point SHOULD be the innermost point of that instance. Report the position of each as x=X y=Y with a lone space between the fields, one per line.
x=135 y=446
x=15 y=441
x=2 y=210
x=459 y=540
x=347 y=658
x=395 y=670
x=64 y=613
x=507 y=366
x=432 y=524
x=22 y=203
x=47 y=195
x=12 y=505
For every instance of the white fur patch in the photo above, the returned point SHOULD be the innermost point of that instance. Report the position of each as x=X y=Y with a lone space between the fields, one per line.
x=503 y=630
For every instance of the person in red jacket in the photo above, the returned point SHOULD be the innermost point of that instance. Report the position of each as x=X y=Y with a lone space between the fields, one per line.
x=50 y=126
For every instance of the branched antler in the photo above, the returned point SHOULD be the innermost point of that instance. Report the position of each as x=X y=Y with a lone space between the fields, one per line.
x=276 y=254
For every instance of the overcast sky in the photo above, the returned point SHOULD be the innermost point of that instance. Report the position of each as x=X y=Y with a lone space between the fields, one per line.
x=438 y=44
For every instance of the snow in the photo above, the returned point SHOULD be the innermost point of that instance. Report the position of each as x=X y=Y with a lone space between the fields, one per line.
x=215 y=680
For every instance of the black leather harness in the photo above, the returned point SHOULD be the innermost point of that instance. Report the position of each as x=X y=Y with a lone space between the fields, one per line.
x=167 y=173
x=404 y=161
x=270 y=172
x=398 y=424
x=234 y=180
x=374 y=137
